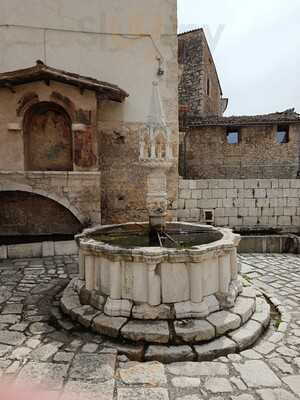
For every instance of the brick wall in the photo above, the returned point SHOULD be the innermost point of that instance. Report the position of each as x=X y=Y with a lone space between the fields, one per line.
x=242 y=204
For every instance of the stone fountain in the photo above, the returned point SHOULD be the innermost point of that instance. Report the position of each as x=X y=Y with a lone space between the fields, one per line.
x=164 y=284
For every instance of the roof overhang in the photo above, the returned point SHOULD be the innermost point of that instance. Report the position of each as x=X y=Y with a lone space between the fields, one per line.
x=42 y=72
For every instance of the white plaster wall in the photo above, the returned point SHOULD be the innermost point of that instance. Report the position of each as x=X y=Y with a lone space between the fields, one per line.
x=113 y=40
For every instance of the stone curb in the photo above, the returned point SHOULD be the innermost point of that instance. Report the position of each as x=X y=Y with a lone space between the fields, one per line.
x=233 y=341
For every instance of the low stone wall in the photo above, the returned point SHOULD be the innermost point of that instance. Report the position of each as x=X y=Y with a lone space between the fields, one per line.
x=79 y=192
x=243 y=204
x=40 y=249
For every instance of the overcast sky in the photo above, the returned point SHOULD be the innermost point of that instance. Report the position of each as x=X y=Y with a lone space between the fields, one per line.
x=256 y=48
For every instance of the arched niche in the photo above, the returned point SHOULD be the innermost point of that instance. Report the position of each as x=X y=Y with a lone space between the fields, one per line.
x=24 y=213
x=48 y=142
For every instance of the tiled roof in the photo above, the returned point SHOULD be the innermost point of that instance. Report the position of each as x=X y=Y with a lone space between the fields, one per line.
x=288 y=116
x=42 y=71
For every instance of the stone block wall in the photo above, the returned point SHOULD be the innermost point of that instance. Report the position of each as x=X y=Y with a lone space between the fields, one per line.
x=243 y=204
x=256 y=156
x=78 y=192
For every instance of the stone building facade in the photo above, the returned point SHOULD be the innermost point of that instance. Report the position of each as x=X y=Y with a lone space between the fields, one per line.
x=262 y=146
x=200 y=92
x=239 y=171
x=81 y=147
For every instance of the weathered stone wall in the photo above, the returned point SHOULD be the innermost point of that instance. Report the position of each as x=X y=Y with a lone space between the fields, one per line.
x=15 y=143
x=78 y=192
x=196 y=68
x=130 y=43
x=257 y=155
x=242 y=203
x=124 y=176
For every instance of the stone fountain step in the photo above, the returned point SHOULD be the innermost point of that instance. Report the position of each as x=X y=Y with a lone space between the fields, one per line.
x=221 y=333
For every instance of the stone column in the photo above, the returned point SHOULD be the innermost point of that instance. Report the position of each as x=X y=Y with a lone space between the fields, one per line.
x=154 y=286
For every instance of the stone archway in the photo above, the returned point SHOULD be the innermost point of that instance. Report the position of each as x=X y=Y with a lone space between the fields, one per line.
x=25 y=213
x=48 y=141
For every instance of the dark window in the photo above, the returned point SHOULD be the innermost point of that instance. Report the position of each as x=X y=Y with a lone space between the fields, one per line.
x=209 y=215
x=208 y=87
x=232 y=136
x=282 y=134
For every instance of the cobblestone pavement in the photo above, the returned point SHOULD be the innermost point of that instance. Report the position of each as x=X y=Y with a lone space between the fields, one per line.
x=33 y=348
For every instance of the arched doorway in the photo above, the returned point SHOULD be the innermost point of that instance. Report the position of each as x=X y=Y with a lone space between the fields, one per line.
x=48 y=138
x=30 y=214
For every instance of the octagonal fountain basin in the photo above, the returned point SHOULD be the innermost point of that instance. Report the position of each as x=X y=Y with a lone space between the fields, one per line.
x=193 y=271
x=168 y=297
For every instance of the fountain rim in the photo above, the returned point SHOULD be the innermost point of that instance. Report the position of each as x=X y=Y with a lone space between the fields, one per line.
x=86 y=242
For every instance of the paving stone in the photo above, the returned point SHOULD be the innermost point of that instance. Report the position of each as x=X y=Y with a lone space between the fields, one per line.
x=238 y=383
x=12 y=308
x=5 y=294
x=9 y=319
x=218 y=385
x=193 y=331
x=43 y=375
x=89 y=348
x=108 y=326
x=251 y=354
x=218 y=347
x=275 y=394
x=149 y=373
x=281 y=365
x=244 y=307
x=38 y=328
x=20 y=353
x=264 y=347
x=224 y=321
x=246 y=335
x=170 y=354
x=20 y=327
x=44 y=352
x=12 y=338
x=198 y=369
x=294 y=383
x=276 y=337
x=4 y=349
x=256 y=373
x=33 y=343
x=296 y=360
x=185 y=382
x=80 y=390
x=190 y=397
x=151 y=331
x=88 y=367
x=63 y=356
x=286 y=351
x=242 y=397
x=143 y=394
